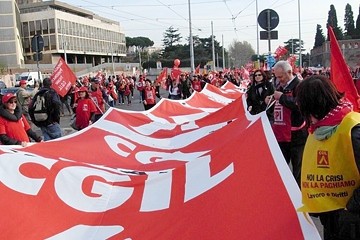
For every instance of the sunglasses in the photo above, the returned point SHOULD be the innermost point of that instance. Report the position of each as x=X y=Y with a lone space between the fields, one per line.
x=12 y=101
x=258 y=75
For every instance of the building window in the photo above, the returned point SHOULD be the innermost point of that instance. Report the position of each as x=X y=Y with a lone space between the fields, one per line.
x=52 y=25
x=38 y=27
x=27 y=44
x=52 y=42
x=46 y=43
x=32 y=28
x=25 y=29
x=45 y=26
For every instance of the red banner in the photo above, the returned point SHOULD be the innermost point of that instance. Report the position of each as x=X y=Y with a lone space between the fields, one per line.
x=182 y=170
x=162 y=78
x=340 y=74
x=62 y=78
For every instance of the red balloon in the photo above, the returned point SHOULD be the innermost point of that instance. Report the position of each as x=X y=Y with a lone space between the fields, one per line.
x=176 y=62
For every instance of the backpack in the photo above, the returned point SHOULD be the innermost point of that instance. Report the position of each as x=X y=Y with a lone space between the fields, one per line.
x=39 y=108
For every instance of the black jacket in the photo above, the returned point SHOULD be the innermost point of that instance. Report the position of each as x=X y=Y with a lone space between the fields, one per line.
x=5 y=139
x=53 y=106
x=288 y=100
x=256 y=95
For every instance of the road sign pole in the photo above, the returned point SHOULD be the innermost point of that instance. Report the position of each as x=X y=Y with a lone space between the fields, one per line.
x=37 y=58
x=269 y=30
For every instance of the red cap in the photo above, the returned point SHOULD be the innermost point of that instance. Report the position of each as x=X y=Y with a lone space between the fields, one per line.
x=6 y=98
x=83 y=89
x=23 y=82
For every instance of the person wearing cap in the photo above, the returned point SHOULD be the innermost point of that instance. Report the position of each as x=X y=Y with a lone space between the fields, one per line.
x=14 y=128
x=50 y=127
x=84 y=108
x=24 y=97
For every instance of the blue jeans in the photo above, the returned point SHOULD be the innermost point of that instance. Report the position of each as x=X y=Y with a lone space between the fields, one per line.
x=51 y=131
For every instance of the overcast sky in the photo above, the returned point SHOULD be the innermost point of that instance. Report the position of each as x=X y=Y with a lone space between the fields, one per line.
x=232 y=19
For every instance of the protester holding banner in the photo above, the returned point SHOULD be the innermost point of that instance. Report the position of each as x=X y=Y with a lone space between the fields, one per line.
x=259 y=89
x=175 y=90
x=50 y=127
x=331 y=163
x=85 y=109
x=196 y=84
x=289 y=126
x=14 y=128
x=140 y=86
x=99 y=96
x=149 y=95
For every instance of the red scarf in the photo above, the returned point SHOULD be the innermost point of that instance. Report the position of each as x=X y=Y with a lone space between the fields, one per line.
x=334 y=117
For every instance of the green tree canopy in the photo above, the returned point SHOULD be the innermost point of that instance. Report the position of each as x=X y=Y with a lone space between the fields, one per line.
x=139 y=42
x=349 y=22
x=240 y=53
x=319 y=37
x=332 y=21
x=293 y=46
x=357 y=28
x=172 y=37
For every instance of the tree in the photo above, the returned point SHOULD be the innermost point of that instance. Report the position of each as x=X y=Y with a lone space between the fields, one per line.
x=319 y=37
x=349 y=22
x=293 y=46
x=357 y=29
x=139 y=42
x=240 y=52
x=171 y=37
x=332 y=21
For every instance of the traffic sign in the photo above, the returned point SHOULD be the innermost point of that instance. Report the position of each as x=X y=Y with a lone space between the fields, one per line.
x=268 y=19
x=38 y=56
x=37 y=43
x=266 y=35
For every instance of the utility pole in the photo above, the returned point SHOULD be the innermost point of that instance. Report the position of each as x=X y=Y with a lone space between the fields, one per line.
x=112 y=58
x=192 y=61
x=140 y=68
x=213 y=46
x=223 y=51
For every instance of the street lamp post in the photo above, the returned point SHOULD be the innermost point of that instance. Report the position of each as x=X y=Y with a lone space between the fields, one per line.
x=192 y=61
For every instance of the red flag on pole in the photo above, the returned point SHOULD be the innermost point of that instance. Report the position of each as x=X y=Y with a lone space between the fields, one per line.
x=339 y=72
x=62 y=78
x=197 y=69
x=162 y=78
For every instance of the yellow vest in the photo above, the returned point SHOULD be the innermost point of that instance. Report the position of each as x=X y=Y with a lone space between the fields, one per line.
x=329 y=174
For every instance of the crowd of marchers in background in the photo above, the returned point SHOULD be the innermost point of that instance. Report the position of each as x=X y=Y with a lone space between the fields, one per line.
x=318 y=133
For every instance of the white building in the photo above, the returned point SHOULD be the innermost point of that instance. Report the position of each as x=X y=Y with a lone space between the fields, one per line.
x=77 y=34
x=11 y=49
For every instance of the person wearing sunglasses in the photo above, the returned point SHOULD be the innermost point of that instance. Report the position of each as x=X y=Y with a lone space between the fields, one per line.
x=14 y=128
x=259 y=89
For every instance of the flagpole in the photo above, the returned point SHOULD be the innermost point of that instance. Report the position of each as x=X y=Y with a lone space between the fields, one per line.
x=213 y=45
x=223 y=51
x=257 y=35
x=192 y=61
x=300 y=52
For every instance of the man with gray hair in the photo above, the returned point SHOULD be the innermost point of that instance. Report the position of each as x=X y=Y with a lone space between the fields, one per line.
x=289 y=126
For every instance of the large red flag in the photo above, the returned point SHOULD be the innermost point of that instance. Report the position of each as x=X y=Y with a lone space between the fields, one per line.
x=340 y=74
x=62 y=78
x=197 y=69
x=162 y=78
